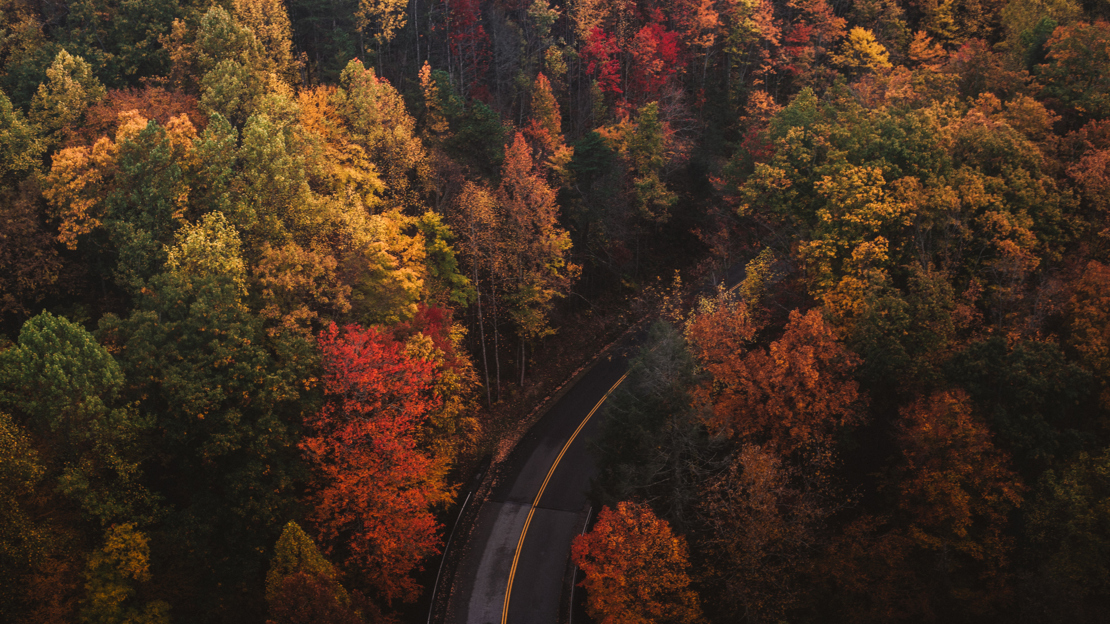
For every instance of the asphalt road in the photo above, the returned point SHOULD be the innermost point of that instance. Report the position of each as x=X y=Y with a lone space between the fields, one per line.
x=541 y=586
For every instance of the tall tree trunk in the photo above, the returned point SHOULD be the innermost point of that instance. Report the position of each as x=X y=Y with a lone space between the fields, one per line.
x=447 y=42
x=704 y=68
x=522 y=364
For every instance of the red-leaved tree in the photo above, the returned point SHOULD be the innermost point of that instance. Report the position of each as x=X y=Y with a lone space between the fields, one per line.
x=655 y=60
x=601 y=55
x=469 y=43
x=375 y=488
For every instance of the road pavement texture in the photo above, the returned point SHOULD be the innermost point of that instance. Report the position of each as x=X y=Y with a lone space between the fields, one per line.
x=544 y=562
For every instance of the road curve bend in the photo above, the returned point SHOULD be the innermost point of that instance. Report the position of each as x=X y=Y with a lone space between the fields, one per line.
x=543 y=564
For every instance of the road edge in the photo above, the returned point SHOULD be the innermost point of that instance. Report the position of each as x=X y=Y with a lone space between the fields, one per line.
x=443 y=603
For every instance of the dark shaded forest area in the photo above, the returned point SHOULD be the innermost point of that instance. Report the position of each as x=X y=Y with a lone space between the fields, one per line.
x=267 y=268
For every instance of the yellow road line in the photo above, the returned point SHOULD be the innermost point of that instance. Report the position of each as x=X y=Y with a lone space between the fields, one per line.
x=528 y=520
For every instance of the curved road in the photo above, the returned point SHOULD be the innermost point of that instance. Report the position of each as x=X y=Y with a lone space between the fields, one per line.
x=543 y=569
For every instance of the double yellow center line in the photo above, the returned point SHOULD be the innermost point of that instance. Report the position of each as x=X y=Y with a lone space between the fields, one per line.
x=535 y=503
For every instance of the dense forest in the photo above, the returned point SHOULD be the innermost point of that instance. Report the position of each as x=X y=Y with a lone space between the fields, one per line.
x=267 y=268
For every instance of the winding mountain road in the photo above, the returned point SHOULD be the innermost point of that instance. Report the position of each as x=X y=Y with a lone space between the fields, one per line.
x=543 y=461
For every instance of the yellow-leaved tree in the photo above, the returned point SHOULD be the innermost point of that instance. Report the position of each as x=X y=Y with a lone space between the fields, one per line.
x=110 y=578
x=270 y=23
x=861 y=53
x=61 y=101
x=382 y=18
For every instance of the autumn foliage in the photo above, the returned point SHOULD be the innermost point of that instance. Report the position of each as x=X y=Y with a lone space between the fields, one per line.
x=957 y=491
x=375 y=489
x=765 y=519
x=271 y=264
x=797 y=392
x=636 y=568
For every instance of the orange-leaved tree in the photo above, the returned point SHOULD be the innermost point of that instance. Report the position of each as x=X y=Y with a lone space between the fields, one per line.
x=1090 y=329
x=636 y=569
x=545 y=129
x=375 y=487
x=955 y=491
x=797 y=393
x=535 y=271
